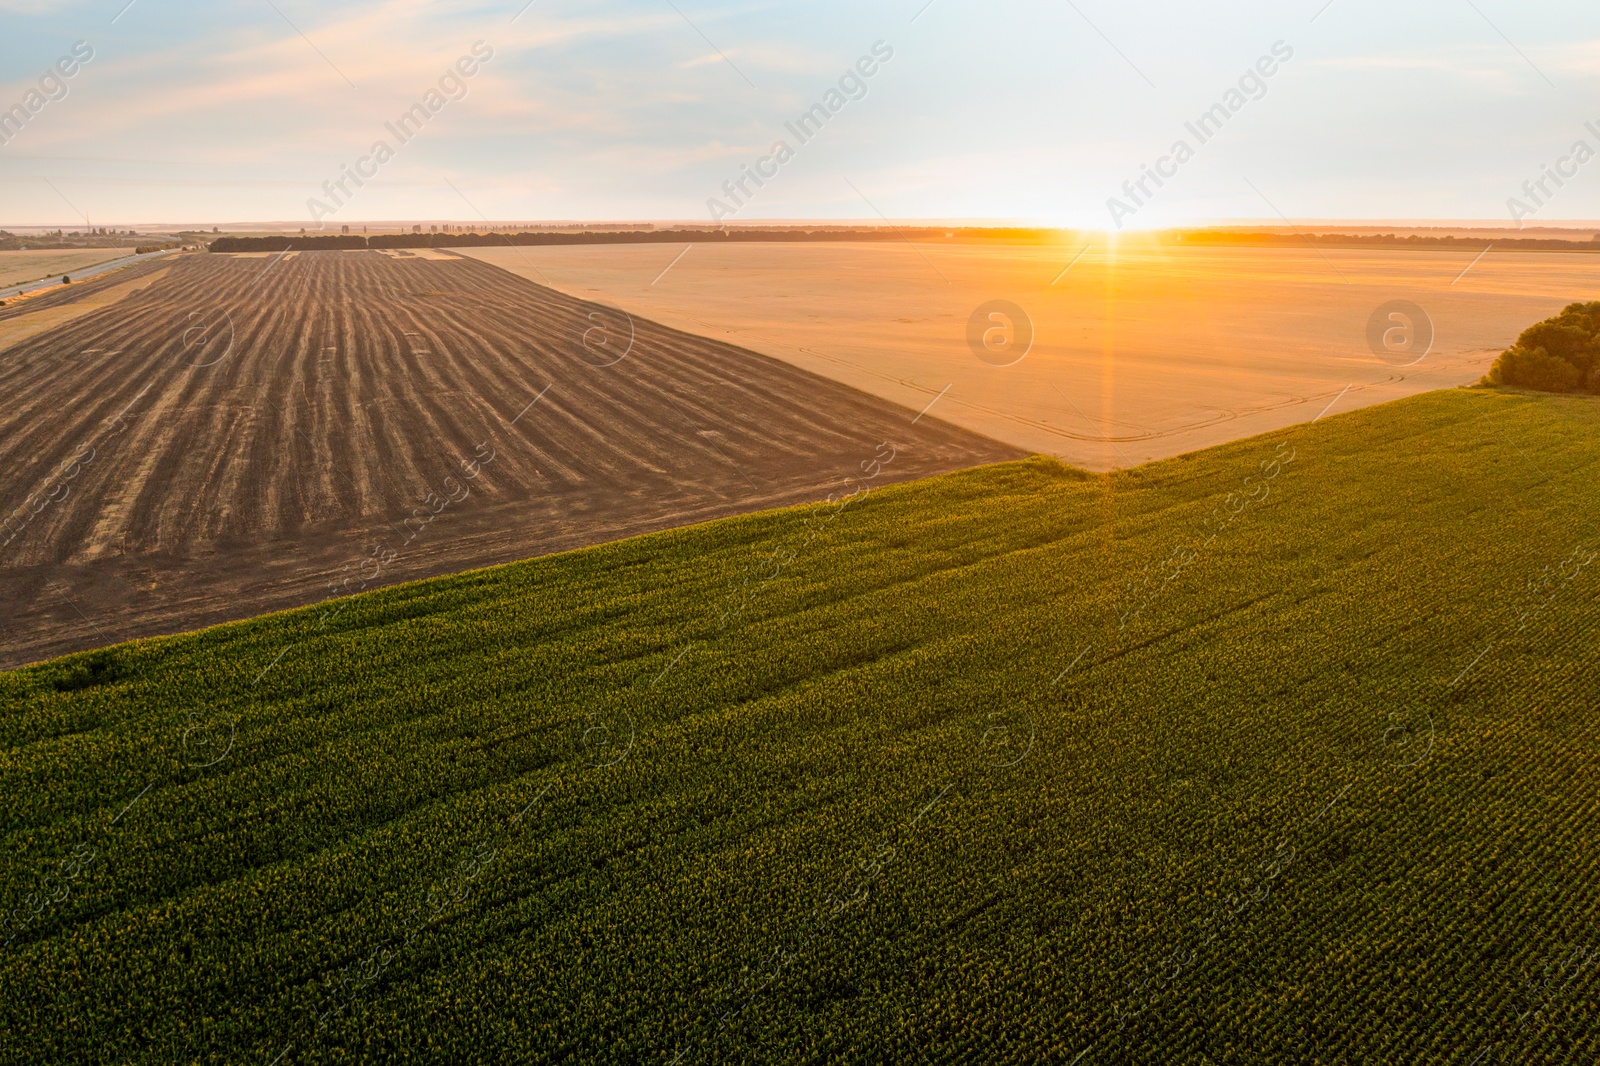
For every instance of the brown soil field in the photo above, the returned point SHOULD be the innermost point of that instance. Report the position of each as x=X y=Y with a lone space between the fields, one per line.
x=238 y=435
x=33 y=264
x=1140 y=352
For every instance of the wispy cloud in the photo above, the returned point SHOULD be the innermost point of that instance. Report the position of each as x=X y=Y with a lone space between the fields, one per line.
x=619 y=109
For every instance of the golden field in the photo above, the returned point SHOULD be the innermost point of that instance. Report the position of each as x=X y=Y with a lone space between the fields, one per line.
x=19 y=267
x=1140 y=351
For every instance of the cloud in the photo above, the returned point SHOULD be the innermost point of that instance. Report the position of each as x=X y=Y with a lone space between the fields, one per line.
x=622 y=107
x=1491 y=63
x=706 y=60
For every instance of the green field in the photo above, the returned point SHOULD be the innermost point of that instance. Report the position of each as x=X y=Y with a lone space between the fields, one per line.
x=1283 y=752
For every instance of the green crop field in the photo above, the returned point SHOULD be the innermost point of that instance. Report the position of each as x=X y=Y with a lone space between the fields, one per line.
x=1283 y=752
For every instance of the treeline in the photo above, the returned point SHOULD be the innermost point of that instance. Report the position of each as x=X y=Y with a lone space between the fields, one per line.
x=12 y=243
x=1386 y=240
x=746 y=234
x=675 y=236
x=286 y=244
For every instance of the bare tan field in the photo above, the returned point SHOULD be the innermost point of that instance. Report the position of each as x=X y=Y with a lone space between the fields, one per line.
x=18 y=267
x=1139 y=354
x=417 y=253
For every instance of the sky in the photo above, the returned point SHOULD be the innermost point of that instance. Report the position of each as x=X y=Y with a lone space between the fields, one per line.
x=230 y=111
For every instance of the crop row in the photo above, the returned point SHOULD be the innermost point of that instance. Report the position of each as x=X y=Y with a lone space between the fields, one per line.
x=895 y=812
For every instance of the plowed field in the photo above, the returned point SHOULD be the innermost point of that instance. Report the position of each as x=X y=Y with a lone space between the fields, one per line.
x=251 y=433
